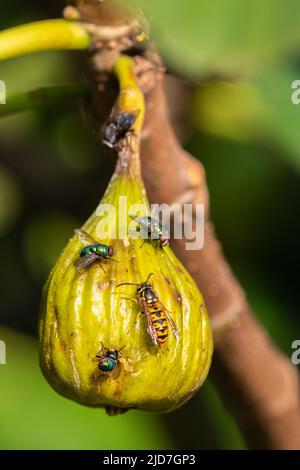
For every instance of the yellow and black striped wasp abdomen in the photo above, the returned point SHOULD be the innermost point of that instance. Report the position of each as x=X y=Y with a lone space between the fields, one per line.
x=160 y=324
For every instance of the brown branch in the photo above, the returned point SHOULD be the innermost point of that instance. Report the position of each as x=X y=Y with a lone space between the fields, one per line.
x=257 y=383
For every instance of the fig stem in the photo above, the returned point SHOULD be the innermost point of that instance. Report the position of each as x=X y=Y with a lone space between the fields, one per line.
x=130 y=97
x=41 y=36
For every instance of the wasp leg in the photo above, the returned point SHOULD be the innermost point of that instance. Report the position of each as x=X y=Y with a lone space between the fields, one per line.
x=144 y=241
x=130 y=298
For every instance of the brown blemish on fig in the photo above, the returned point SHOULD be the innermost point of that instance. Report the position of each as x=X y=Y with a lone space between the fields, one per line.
x=178 y=269
x=63 y=345
x=115 y=410
x=178 y=296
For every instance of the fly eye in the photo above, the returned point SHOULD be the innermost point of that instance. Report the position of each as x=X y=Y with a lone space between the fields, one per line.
x=111 y=251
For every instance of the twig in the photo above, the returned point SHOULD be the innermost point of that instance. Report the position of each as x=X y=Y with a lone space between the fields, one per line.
x=60 y=34
x=45 y=97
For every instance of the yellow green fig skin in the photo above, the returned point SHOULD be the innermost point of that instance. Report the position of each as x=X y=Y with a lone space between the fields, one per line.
x=82 y=309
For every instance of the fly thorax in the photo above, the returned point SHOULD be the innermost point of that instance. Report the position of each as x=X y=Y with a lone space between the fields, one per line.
x=114 y=355
x=101 y=250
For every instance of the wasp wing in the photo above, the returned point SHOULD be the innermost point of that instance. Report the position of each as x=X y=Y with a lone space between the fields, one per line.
x=84 y=237
x=151 y=329
x=86 y=261
x=170 y=320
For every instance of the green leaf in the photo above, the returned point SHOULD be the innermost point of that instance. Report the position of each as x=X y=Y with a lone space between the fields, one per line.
x=260 y=110
x=281 y=120
x=204 y=36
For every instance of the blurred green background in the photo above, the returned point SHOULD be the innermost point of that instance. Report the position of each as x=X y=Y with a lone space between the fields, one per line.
x=236 y=62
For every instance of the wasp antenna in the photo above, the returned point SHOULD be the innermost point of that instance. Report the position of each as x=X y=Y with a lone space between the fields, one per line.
x=151 y=274
x=122 y=347
x=127 y=284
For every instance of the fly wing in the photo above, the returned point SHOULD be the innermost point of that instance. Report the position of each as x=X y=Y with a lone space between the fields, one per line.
x=155 y=229
x=158 y=229
x=126 y=119
x=86 y=261
x=84 y=237
x=115 y=373
x=145 y=225
x=170 y=320
x=151 y=329
x=145 y=221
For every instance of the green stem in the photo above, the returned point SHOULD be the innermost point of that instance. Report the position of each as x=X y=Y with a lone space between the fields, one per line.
x=130 y=99
x=45 y=97
x=130 y=96
x=41 y=36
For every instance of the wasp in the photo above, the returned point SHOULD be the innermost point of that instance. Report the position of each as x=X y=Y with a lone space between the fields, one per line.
x=154 y=229
x=93 y=251
x=117 y=127
x=158 y=317
x=109 y=360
